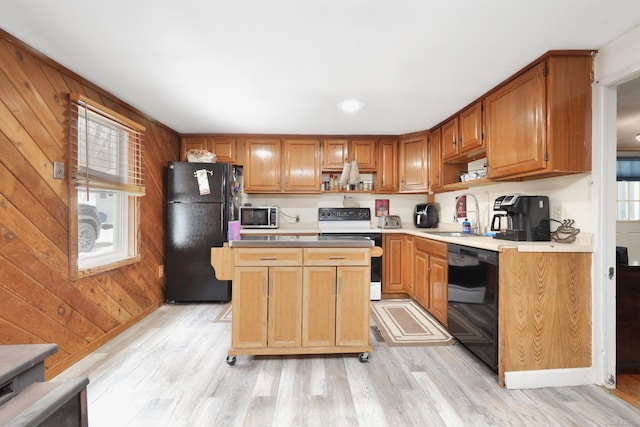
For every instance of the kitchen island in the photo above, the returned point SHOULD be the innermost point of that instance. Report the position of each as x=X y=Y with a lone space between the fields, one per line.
x=297 y=294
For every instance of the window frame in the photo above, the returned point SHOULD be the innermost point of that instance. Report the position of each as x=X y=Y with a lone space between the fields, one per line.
x=628 y=200
x=132 y=193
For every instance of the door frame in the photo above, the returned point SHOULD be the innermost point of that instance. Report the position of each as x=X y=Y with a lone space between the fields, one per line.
x=616 y=63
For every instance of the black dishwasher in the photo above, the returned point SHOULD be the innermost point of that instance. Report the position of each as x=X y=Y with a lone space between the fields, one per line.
x=472 y=312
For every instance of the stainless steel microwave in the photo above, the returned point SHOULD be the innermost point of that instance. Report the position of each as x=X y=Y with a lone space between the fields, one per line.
x=259 y=216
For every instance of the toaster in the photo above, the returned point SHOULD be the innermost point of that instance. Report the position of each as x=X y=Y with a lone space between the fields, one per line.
x=389 y=221
x=425 y=215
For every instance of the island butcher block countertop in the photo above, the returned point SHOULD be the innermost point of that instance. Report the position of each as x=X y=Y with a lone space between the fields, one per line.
x=295 y=241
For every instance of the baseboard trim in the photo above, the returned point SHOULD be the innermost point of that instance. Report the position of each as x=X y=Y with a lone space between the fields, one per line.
x=549 y=378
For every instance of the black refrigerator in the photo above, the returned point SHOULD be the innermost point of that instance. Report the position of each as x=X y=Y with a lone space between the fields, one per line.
x=198 y=196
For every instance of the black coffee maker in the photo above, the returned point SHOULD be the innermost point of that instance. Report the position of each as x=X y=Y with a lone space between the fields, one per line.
x=527 y=218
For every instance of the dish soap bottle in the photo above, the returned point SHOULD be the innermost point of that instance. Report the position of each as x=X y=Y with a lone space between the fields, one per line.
x=466 y=226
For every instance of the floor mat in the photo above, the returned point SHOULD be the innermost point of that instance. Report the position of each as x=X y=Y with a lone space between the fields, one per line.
x=402 y=322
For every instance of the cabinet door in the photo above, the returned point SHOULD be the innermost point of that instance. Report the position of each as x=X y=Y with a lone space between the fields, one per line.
x=334 y=154
x=285 y=307
x=262 y=165
x=387 y=176
x=352 y=306
x=249 y=320
x=408 y=258
x=470 y=127
x=421 y=277
x=364 y=152
x=224 y=149
x=438 y=288
x=319 y=307
x=191 y=143
x=301 y=161
x=414 y=166
x=435 y=160
x=450 y=139
x=392 y=263
x=515 y=125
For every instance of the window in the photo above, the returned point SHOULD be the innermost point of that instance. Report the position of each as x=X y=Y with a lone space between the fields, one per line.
x=105 y=186
x=628 y=181
x=628 y=201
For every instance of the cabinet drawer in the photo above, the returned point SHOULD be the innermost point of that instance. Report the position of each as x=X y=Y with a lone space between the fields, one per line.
x=432 y=247
x=333 y=256
x=268 y=257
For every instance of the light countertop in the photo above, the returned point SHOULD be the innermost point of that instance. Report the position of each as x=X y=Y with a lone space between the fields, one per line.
x=583 y=242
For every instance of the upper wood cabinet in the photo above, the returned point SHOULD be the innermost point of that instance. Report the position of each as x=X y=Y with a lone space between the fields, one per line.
x=435 y=160
x=223 y=147
x=462 y=135
x=263 y=164
x=334 y=153
x=414 y=164
x=539 y=123
x=387 y=171
x=337 y=152
x=274 y=165
x=364 y=152
x=301 y=164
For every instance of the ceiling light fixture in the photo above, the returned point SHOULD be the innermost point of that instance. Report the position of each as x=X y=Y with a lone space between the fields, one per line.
x=350 y=105
x=638 y=137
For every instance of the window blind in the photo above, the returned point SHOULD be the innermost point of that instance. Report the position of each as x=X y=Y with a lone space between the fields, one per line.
x=628 y=169
x=105 y=148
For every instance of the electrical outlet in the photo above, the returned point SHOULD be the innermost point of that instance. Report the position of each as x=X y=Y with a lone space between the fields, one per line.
x=58 y=170
x=160 y=271
x=557 y=213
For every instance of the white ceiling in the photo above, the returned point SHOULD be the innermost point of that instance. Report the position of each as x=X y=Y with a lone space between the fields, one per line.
x=282 y=66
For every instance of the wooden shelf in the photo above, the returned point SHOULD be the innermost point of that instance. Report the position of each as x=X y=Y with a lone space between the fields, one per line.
x=468 y=184
x=348 y=191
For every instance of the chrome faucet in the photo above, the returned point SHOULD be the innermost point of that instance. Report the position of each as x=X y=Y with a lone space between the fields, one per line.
x=475 y=226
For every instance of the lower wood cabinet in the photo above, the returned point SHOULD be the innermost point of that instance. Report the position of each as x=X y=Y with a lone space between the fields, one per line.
x=408 y=264
x=335 y=302
x=431 y=277
x=263 y=293
x=438 y=283
x=392 y=264
x=417 y=267
x=296 y=301
x=544 y=311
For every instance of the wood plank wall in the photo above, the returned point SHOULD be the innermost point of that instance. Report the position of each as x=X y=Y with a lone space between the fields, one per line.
x=39 y=304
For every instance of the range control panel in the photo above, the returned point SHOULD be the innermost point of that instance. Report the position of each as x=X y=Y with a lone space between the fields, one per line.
x=344 y=214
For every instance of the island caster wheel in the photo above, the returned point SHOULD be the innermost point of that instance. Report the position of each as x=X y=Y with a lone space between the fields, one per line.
x=364 y=357
x=231 y=360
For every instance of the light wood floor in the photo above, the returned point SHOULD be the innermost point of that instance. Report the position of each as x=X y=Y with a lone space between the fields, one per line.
x=628 y=388
x=170 y=370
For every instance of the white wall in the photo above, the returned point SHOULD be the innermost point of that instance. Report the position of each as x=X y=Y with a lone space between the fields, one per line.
x=306 y=205
x=572 y=193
